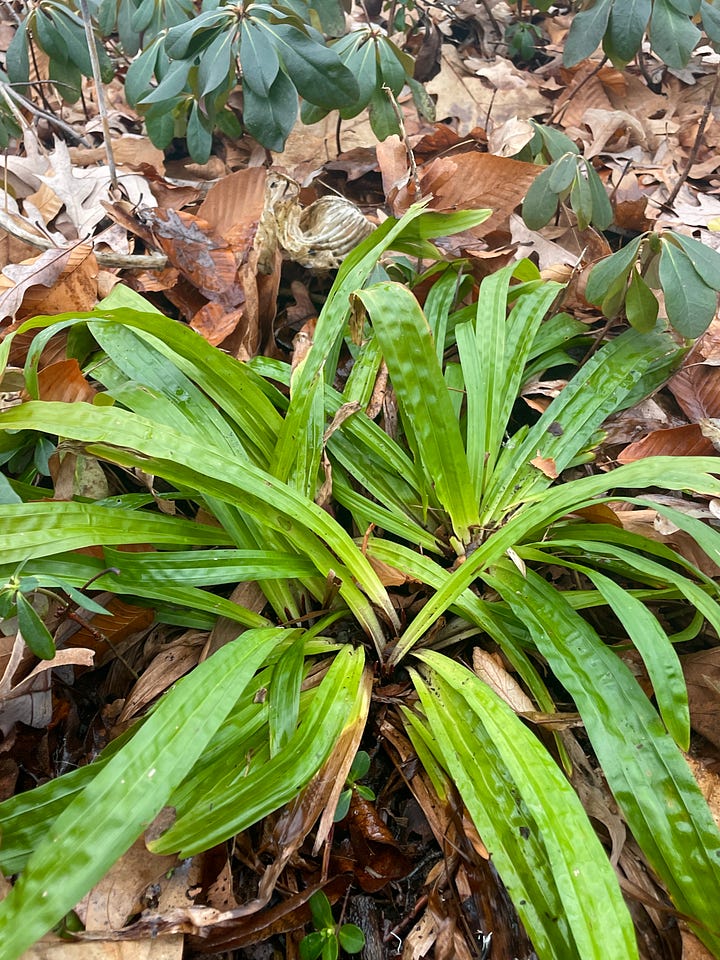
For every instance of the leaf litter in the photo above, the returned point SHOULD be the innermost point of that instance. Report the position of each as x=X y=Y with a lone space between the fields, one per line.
x=216 y=265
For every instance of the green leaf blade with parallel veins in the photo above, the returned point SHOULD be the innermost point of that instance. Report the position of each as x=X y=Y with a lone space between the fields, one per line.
x=102 y=822
x=531 y=819
x=647 y=773
x=409 y=350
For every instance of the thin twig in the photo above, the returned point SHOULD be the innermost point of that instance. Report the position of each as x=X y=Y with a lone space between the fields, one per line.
x=7 y=91
x=100 y=92
x=128 y=261
x=574 y=92
x=406 y=143
x=692 y=156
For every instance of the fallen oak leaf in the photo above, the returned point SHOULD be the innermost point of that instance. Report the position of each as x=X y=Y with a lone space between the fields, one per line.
x=44 y=270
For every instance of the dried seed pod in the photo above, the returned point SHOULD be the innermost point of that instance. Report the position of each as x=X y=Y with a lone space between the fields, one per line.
x=317 y=237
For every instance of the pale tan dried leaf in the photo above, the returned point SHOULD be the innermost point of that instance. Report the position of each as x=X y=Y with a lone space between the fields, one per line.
x=508 y=139
x=490 y=669
x=113 y=900
x=43 y=270
x=160 y=948
x=177 y=659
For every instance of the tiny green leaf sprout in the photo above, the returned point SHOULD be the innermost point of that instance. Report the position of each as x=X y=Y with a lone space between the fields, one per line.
x=358 y=770
x=328 y=936
x=15 y=602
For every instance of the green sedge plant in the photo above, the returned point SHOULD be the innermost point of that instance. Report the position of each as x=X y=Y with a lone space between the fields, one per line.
x=471 y=503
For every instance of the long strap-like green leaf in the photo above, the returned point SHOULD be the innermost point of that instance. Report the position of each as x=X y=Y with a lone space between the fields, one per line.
x=645 y=770
x=127 y=794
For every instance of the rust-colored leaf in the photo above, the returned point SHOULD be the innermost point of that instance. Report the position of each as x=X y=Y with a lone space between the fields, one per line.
x=192 y=246
x=546 y=465
x=685 y=441
x=101 y=632
x=65 y=382
x=697 y=390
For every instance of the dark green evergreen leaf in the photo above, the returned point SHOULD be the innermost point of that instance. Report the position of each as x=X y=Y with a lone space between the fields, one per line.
x=17 y=59
x=703 y=258
x=711 y=20
x=185 y=39
x=73 y=36
x=270 y=117
x=390 y=68
x=49 y=38
x=689 y=302
x=672 y=35
x=626 y=27
x=689 y=7
x=540 y=202
x=641 y=305
x=173 y=83
x=556 y=143
x=364 y=66
x=129 y=38
x=199 y=134
x=586 y=32
x=67 y=79
x=607 y=271
x=383 y=119
x=581 y=200
x=139 y=75
x=331 y=16
x=260 y=64
x=217 y=64
x=34 y=632
x=316 y=71
x=602 y=215
x=107 y=15
x=160 y=126
x=309 y=113
x=143 y=15
x=561 y=173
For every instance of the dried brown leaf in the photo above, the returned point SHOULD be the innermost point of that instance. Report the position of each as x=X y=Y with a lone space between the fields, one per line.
x=685 y=441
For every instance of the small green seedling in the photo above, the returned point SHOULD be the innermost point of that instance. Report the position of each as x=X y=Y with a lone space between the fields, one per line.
x=358 y=770
x=686 y=270
x=328 y=936
x=15 y=602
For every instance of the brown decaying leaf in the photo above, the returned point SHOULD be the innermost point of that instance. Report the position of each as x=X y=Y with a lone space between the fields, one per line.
x=490 y=668
x=64 y=381
x=702 y=675
x=178 y=657
x=471 y=180
x=116 y=897
x=192 y=246
x=103 y=632
x=546 y=465
x=19 y=281
x=160 y=948
x=697 y=390
x=375 y=854
x=687 y=441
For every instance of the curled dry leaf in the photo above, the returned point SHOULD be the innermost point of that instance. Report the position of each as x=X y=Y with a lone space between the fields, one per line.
x=18 y=281
x=490 y=669
x=175 y=660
